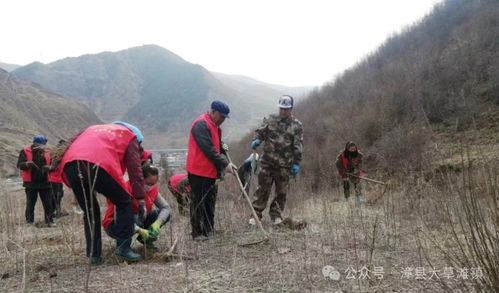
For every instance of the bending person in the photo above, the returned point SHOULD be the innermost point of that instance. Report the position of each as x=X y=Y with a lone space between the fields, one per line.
x=95 y=161
x=178 y=185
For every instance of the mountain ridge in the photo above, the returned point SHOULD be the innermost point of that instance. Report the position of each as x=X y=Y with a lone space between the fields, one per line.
x=152 y=87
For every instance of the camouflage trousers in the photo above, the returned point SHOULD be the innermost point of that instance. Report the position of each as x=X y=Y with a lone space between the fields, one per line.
x=266 y=178
x=356 y=186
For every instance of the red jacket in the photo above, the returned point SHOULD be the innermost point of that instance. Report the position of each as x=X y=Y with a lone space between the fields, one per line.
x=197 y=162
x=149 y=200
x=26 y=174
x=104 y=145
x=55 y=177
x=175 y=181
x=344 y=166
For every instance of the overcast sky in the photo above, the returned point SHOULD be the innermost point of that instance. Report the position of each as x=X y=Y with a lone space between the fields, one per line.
x=293 y=43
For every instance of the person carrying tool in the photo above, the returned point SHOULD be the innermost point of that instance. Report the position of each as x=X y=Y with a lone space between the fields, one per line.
x=206 y=162
x=95 y=160
x=155 y=219
x=282 y=136
x=247 y=169
x=349 y=166
x=34 y=163
x=57 y=189
x=178 y=185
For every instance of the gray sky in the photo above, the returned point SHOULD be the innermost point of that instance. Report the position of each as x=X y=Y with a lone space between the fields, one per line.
x=305 y=42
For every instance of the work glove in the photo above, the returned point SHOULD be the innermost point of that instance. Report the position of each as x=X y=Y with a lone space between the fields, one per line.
x=231 y=168
x=225 y=147
x=255 y=143
x=295 y=169
x=145 y=234
x=142 y=213
x=154 y=229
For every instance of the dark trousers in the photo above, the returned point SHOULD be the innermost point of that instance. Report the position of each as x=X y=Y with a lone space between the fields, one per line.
x=46 y=197
x=81 y=176
x=356 y=186
x=150 y=219
x=57 y=194
x=204 y=195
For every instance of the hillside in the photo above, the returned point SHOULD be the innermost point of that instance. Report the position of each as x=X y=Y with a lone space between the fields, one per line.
x=413 y=101
x=152 y=87
x=258 y=90
x=8 y=67
x=27 y=109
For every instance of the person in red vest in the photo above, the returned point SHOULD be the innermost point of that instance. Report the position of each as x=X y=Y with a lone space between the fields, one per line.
x=178 y=185
x=155 y=218
x=57 y=189
x=349 y=166
x=34 y=163
x=206 y=161
x=94 y=161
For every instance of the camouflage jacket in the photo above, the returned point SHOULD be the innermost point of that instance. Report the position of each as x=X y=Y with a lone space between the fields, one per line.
x=282 y=141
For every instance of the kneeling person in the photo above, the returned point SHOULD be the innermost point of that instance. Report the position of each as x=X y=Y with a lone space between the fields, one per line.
x=147 y=226
x=178 y=185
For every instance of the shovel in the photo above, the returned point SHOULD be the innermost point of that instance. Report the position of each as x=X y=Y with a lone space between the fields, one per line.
x=255 y=216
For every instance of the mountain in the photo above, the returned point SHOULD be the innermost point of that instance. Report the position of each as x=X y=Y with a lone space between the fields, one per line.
x=151 y=87
x=258 y=90
x=8 y=67
x=28 y=109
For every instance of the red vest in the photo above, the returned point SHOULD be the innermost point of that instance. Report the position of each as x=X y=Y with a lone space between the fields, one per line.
x=104 y=145
x=175 y=180
x=26 y=174
x=197 y=162
x=345 y=162
x=149 y=200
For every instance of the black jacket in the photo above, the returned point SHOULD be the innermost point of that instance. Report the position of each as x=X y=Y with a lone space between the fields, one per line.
x=39 y=176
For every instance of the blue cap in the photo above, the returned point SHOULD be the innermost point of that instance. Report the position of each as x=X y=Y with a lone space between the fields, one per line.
x=221 y=107
x=39 y=139
x=133 y=128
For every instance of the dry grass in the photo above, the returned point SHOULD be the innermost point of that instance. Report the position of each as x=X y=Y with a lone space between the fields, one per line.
x=406 y=228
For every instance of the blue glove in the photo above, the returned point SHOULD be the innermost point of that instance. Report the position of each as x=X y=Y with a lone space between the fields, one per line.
x=255 y=143
x=295 y=169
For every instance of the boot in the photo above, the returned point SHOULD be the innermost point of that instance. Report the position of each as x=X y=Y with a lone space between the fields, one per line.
x=96 y=260
x=123 y=250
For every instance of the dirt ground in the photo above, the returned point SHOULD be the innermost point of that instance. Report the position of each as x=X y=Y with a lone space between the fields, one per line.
x=346 y=247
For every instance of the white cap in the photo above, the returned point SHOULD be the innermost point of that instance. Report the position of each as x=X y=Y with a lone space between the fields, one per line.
x=286 y=102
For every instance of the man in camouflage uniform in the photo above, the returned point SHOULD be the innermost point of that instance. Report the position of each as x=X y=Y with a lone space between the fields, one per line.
x=282 y=136
x=349 y=164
